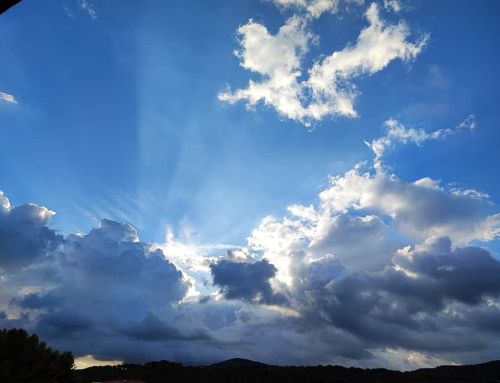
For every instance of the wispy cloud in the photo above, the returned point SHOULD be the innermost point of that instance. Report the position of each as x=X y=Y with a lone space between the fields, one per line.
x=315 y=8
x=68 y=12
x=328 y=90
x=8 y=98
x=88 y=7
x=392 y=5
x=398 y=133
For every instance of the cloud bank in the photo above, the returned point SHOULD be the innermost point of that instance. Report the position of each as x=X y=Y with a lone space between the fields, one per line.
x=380 y=271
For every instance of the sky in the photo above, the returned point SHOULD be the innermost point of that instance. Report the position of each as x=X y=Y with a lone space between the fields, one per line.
x=290 y=181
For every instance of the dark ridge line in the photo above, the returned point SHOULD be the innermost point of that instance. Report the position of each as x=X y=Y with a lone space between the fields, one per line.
x=6 y=4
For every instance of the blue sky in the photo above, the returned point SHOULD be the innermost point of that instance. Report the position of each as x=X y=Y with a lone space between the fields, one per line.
x=123 y=108
x=115 y=110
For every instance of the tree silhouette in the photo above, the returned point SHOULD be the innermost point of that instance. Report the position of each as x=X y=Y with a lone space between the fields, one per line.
x=24 y=359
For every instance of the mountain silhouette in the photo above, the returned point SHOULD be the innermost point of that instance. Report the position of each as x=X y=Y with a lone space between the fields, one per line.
x=243 y=370
x=238 y=363
x=480 y=371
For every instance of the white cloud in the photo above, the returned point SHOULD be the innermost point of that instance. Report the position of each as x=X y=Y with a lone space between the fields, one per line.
x=488 y=229
x=8 y=98
x=398 y=133
x=363 y=210
x=377 y=45
x=278 y=59
x=328 y=90
x=392 y=5
x=363 y=218
x=315 y=8
x=418 y=209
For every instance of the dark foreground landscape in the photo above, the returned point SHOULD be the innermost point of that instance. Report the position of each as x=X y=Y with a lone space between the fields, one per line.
x=241 y=370
x=25 y=359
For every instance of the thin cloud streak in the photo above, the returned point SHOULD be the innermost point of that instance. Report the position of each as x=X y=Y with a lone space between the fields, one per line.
x=8 y=98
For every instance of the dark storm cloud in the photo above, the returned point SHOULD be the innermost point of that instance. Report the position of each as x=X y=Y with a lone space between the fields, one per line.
x=247 y=281
x=35 y=301
x=24 y=234
x=152 y=328
x=61 y=324
x=465 y=274
x=110 y=260
x=110 y=276
x=420 y=302
x=91 y=291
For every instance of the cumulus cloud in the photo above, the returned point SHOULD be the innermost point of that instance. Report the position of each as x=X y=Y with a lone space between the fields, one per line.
x=413 y=302
x=89 y=292
x=8 y=98
x=375 y=259
x=244 y=280
x=363 y=210
x=418 y=209
x=328 y=90
x=377 y=45
x=24 y=234
x=278 y=59
x=392 y=212
x=109 y=283
x=463 y=274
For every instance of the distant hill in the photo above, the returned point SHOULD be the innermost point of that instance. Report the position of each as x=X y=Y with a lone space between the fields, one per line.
x=243 y=370
x=238 y=363
x=483 y=370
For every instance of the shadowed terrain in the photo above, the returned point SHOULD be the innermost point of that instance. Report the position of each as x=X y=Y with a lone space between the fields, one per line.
x=25 y=359
x=242 y=370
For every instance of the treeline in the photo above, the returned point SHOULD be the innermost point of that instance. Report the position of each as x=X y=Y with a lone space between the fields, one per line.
x=164 y=372
x=25 y=359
